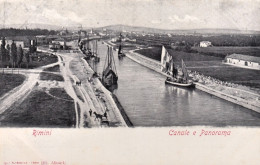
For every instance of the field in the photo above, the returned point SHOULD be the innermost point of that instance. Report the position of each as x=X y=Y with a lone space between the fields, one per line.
x=50 y=76
x=60 y=93
x=210 y=66
x=252 y=51
x=40 y=110
x=236 y=75
x=155 y=53
x=10 y=81
x=55 y=68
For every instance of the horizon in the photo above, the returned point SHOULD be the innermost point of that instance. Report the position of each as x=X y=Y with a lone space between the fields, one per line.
x=13 y=26
x=166 y=15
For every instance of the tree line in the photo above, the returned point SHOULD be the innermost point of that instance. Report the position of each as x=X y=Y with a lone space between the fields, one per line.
x=194 y=40
x=26 y=32
x=14 y=55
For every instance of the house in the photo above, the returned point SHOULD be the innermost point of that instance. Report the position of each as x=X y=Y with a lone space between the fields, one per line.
x=55 y=46
x=244 y=61
x=17 y=43
x=59 y=41
x=43 y=40
x=205 y=44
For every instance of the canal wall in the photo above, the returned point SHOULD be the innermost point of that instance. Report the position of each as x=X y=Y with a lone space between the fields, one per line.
x=117 y=107
x=155 y=65
x=118 y=110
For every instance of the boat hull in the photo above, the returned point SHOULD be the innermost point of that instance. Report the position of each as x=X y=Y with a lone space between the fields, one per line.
x=188 y=85
x=109 y=79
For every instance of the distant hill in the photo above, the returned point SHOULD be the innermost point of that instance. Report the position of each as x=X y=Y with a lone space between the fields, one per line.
x=134 y=28
x=179 y=31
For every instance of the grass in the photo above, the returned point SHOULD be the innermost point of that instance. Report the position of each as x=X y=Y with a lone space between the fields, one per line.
x=155 y=53
x=37 y=60
x=55 y=68
x=10 y=81
x=252 y=51
x=61 y=93
x=40 y=110
x=237 y=75
x=50 y=76
x=42 y=59
x=204 y=65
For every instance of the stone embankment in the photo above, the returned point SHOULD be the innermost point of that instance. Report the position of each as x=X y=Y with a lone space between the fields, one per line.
x=246 y=98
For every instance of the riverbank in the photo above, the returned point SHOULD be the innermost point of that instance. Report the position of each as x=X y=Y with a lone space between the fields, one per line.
x=110 y=100
x=238 y=96
x=93 y=95
x=111 y=103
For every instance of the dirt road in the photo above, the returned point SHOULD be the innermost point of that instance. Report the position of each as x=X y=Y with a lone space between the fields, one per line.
x=95 y=96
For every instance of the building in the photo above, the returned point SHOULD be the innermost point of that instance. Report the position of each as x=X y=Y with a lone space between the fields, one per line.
x=244 y=61
x=55 y=46
x=45 y=40
x=205 y=44
x=59 y=41
x=17 y=43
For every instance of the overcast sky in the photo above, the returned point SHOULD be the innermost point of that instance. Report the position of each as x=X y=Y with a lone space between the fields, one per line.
x=166 y=14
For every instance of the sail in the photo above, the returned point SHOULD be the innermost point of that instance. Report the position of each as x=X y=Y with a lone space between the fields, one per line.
x=184 y=70
x=167 y=65
x=109 y=76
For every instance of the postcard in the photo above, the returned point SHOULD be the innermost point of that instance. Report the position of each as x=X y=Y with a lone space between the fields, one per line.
x=129 y=82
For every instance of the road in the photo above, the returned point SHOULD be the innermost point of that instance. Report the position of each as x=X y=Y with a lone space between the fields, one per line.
x=95 y=96
x=19 y=93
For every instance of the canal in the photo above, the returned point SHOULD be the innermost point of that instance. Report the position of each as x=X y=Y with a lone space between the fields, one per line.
x=148 y=101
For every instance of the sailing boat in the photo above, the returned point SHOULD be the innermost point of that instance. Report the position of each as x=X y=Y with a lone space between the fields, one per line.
x=120 y=53
x=88 y=47
x=180 y=80
x=174 y=78
x=109 y=75
x=95 y=52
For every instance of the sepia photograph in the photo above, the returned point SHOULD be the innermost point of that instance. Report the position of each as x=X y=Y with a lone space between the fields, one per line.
x=111 y=65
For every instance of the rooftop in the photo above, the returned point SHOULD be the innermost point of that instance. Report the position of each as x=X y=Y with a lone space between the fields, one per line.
x=244 y=57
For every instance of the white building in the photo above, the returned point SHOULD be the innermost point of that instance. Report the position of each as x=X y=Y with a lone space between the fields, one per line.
x=205 y=44
x=17 y=43
x=60 y=41
x=244 y=61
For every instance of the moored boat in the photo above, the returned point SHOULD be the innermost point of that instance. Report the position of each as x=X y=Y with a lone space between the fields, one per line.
x=120 y=52
x=95 y=52
x=109 y=75
x=175 y=82
x=177 y=76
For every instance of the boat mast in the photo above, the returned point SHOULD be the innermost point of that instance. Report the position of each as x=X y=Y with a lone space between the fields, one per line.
x=112 y=60
x=184 y=70
x=96 y=49
x=120 y=44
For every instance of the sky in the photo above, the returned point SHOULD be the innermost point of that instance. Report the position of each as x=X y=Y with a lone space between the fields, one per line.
x=164 y=14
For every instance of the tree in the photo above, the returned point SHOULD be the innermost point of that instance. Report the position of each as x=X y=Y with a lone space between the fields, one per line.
x=8 y=49
x=14 y=54
x=27 y=57
x=3 y=53
x=20 y=55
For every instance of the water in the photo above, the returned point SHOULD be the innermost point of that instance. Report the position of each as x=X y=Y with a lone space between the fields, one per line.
x=148 y=101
